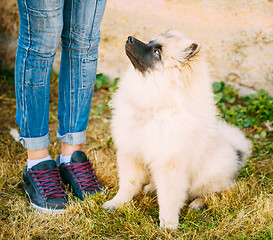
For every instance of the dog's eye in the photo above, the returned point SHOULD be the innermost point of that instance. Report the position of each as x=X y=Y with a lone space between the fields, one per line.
x=157 y=52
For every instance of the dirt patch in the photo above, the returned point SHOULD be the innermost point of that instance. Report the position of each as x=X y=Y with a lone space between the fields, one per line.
x=237 y=36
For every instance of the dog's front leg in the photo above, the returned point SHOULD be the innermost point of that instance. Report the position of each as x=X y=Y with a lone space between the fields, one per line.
x=132 y=176
x=172 y=185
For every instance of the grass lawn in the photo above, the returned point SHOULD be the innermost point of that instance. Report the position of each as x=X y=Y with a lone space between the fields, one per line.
x=242 y=212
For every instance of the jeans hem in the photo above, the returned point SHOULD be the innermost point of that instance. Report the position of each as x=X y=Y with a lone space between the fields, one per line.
x=72 y=138
x=36 y=143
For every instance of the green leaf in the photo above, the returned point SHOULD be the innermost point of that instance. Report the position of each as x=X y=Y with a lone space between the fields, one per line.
x=263 y=134
x=218 y=96
x=217 y=86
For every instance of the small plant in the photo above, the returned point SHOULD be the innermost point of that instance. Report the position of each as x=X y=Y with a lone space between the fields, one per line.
x=106 y=86
x=104 y=82
x=252 y=111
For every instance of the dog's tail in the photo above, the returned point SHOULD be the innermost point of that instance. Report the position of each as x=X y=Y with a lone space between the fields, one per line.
x=238 y=141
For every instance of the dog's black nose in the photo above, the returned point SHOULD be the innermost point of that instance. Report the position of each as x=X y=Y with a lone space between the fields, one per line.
x=130 y=39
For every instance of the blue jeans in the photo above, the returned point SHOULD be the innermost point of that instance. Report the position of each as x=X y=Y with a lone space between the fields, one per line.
x=42 y=24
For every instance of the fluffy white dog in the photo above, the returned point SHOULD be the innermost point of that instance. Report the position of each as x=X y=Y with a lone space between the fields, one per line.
x=166 y=130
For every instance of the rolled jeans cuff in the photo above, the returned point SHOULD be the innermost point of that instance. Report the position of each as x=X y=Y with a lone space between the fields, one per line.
x=72 y=138
x=36 y=143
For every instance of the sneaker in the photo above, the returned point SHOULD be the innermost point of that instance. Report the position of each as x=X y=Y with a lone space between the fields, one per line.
x=80 y=175
x=43 y=187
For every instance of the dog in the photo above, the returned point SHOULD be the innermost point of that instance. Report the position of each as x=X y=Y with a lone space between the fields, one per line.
x=166 y=130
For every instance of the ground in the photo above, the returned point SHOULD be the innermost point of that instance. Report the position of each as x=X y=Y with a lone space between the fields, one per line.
x=242 y=212
x=238 y=39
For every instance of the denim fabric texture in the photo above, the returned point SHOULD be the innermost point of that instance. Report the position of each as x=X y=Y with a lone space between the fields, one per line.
x=42 y=24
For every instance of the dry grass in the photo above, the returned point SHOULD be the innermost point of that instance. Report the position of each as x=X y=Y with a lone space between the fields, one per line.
x=242 y=212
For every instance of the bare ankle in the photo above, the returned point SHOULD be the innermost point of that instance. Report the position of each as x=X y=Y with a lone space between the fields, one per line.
x=37 y=154
x=69 y=149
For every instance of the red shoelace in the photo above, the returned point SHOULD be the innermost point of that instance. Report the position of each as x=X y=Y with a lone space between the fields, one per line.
x=50 y=183
x=85 y=175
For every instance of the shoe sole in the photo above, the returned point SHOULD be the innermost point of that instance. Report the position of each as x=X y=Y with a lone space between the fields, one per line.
x=41 y=209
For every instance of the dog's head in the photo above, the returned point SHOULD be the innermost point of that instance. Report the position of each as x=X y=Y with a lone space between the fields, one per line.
x=168 y=50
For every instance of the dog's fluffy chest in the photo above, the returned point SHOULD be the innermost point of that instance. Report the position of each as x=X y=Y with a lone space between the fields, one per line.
x=149 y=126
x=155 y=114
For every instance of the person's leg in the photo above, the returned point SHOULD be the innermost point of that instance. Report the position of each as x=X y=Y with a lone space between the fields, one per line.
x=39 y=36
x=40 y=29
x=80 y=40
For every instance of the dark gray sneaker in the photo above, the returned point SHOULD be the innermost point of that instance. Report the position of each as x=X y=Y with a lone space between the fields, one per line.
x=43 y=187
x=80 y=175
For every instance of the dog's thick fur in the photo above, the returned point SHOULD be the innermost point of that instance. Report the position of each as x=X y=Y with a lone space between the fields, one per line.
x=167 y=133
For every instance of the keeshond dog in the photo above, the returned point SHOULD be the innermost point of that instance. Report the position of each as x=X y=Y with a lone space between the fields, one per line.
x=166 y=130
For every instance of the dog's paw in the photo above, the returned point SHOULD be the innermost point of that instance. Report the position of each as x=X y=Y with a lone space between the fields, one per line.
x=110 y=205
x=169 y=225
x=149 y=189
x=197 y=204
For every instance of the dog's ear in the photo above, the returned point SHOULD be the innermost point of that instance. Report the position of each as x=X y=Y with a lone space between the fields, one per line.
x=192 y=50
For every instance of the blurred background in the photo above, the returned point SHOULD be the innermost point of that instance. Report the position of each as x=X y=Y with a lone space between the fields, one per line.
x=237 y=35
